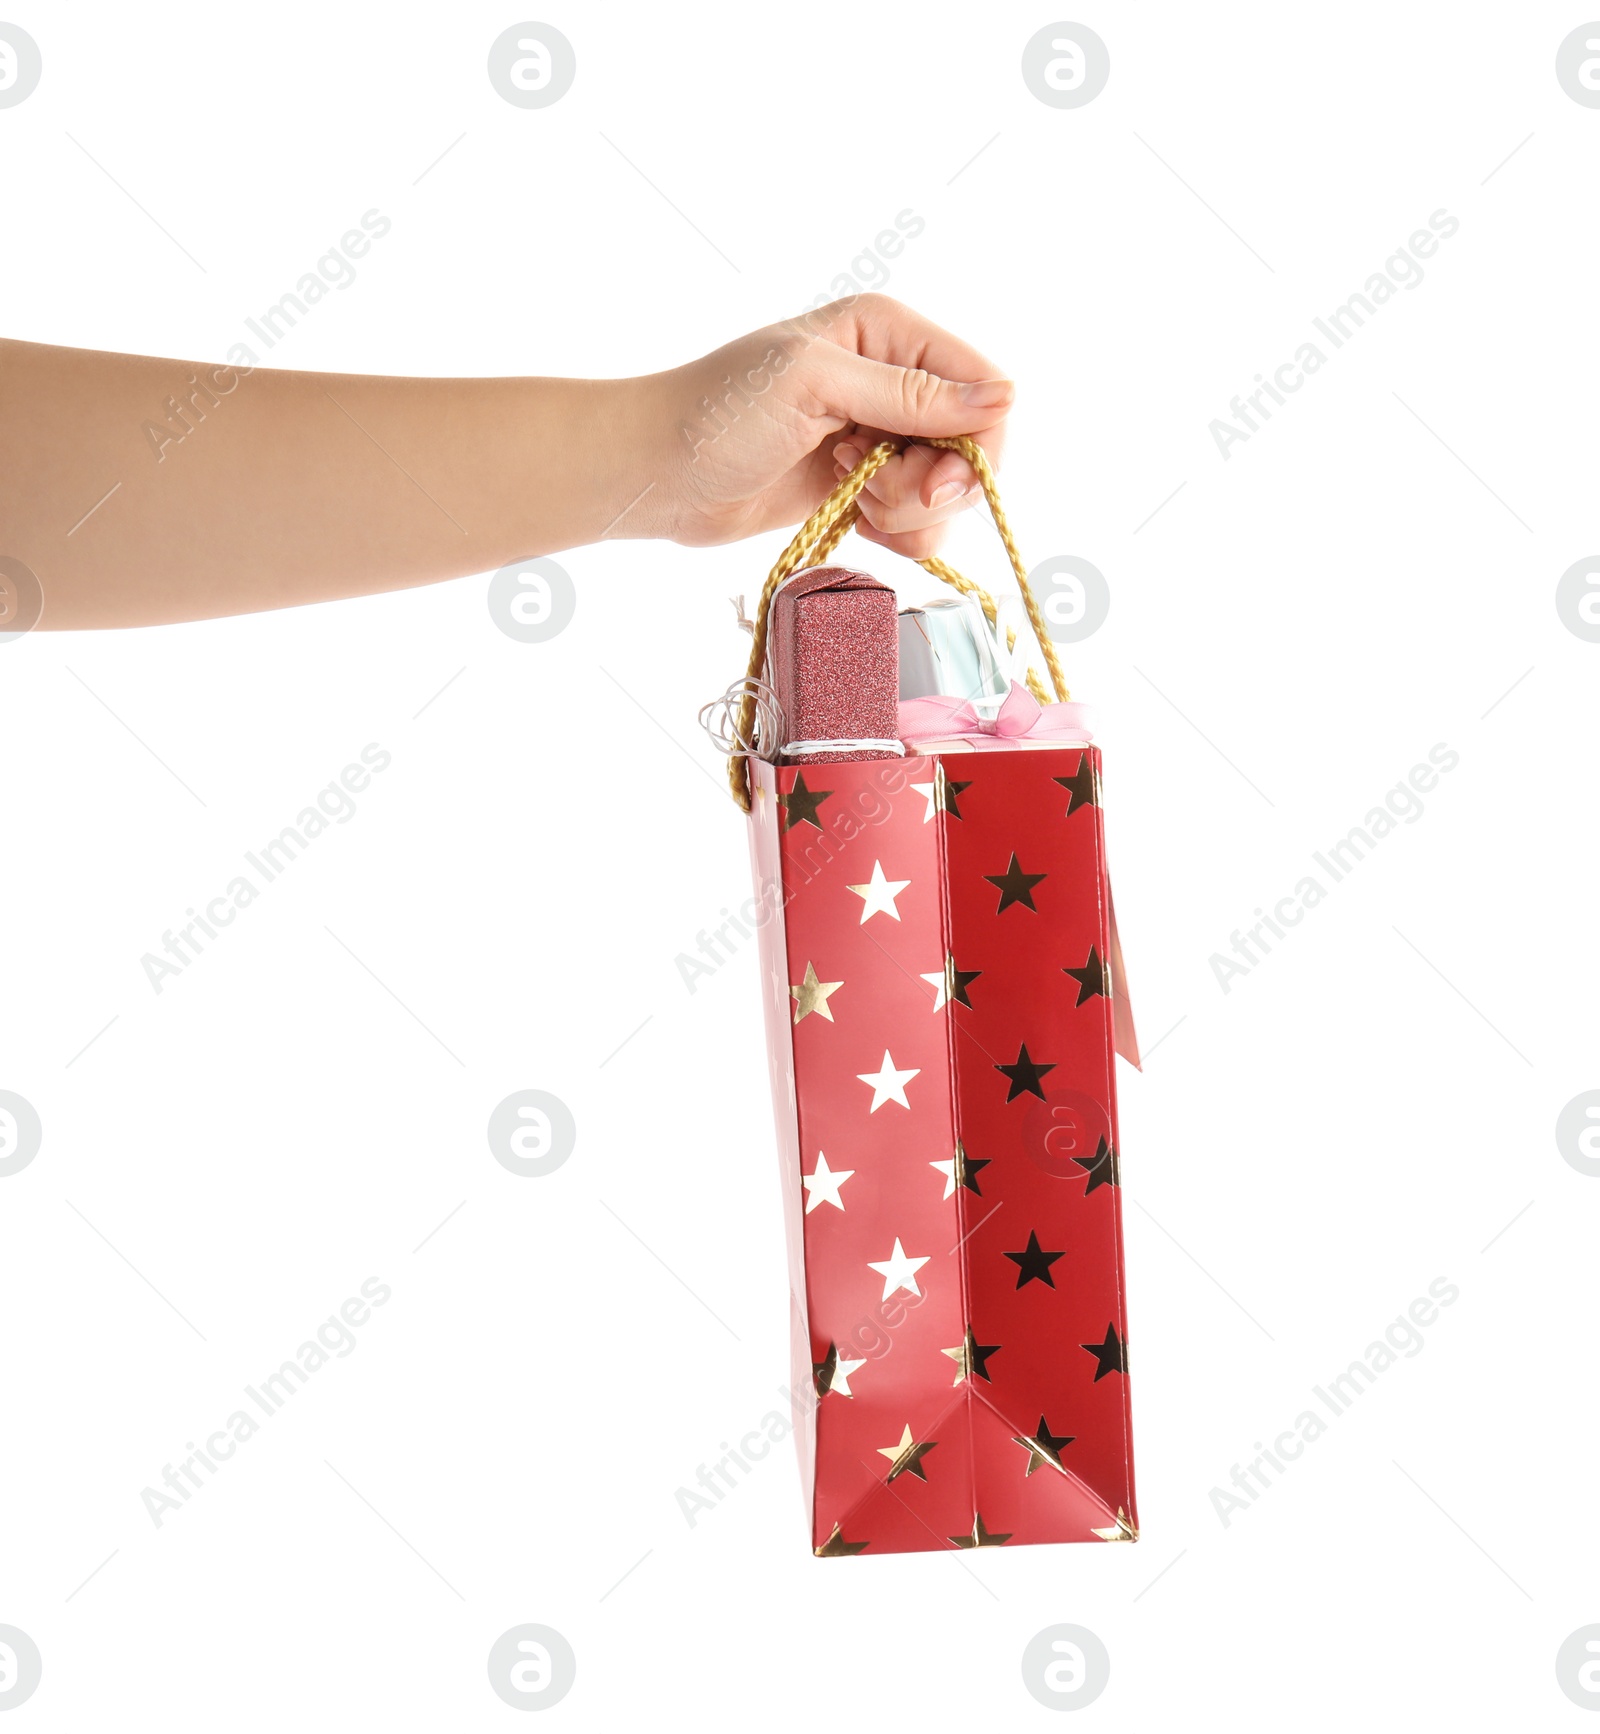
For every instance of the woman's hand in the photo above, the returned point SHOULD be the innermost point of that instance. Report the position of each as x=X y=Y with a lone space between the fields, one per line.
x=760 y=430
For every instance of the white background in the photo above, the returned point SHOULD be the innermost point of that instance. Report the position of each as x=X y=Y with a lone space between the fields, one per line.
x=1304 y=1154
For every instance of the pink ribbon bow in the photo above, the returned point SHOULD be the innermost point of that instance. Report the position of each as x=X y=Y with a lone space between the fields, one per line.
x=942 y=718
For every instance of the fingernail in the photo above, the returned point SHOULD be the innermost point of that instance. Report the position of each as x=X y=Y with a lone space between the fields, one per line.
x=945 y=493
x=847 y=454
x=987 y=393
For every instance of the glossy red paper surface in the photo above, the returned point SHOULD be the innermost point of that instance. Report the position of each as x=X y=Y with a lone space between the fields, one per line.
x=1040 y=1176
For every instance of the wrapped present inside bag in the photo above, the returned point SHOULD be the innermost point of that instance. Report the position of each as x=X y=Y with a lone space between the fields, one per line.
x=944 y=1006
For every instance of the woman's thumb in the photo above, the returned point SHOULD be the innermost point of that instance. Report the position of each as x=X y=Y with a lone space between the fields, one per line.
x=906 y=400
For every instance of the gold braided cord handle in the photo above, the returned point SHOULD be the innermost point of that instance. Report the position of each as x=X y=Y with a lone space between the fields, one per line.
x=823 y=531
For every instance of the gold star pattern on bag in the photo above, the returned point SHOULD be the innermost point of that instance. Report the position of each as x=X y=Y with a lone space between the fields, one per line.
x=971 y=1357
x=1091 y=979
x=832 y=1374
x=1102 y=1168
x=951 y=984
x=1033 y=1262
x=822 y=1184
x=1015 y=886
x=906 y=1457
x=888 y=1085
x=1111 y=1356
x=941 y=795
x=1044 y=1447
x=802 y=803
x=812 y=995
x=1121 y=1530
x=836 y=1547
x=878 y=894
x=961 y=1170
x=1026 y=1075
x=980 y=1537
x=899 y=1270
x=1083 y=786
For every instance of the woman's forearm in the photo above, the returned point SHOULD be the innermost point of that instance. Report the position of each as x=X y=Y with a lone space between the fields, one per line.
x=137 y=491
x=140 y=490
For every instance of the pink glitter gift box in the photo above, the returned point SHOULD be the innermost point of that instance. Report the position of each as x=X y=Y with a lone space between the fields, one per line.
x=833 y=659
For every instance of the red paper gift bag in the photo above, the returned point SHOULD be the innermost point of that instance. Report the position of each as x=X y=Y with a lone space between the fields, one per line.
x=942 y=1018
